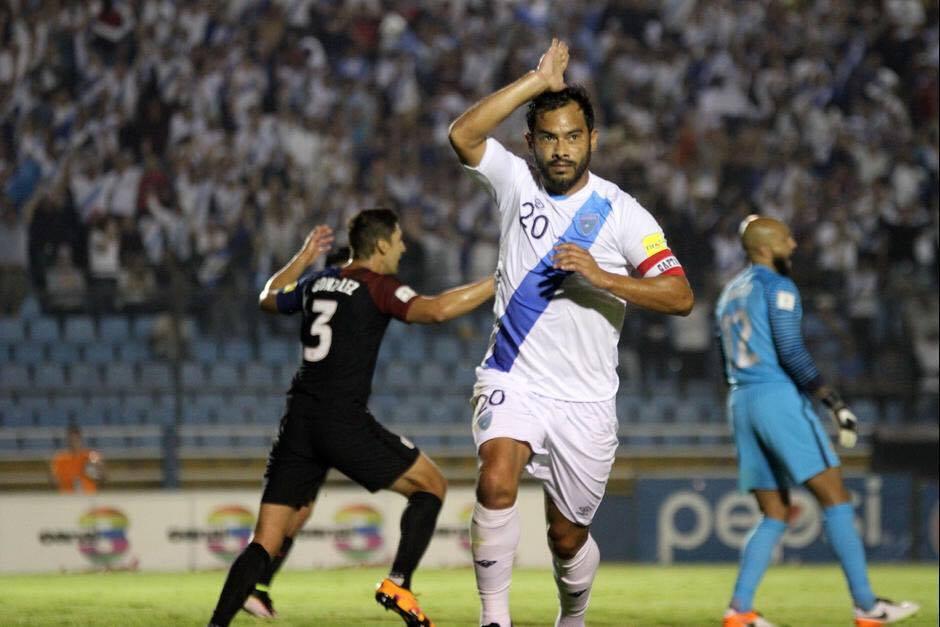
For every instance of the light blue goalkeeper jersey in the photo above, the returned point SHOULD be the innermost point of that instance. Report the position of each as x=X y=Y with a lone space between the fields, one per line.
x=758 y=317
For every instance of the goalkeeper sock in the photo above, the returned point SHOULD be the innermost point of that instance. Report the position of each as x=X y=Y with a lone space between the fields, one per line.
x=574 y=578
x=276 y=562
x=841 y=533
x=494 y=534
x=241 y=580
x=754 y=561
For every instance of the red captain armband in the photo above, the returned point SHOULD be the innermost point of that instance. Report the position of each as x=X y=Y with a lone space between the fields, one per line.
x=664 y=262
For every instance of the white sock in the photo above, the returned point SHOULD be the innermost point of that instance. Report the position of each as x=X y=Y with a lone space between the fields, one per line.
x=574 y=577
x=494 y=534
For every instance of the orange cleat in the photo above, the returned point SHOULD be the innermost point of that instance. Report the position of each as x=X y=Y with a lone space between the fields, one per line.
x=391 y=596
x=744 y=619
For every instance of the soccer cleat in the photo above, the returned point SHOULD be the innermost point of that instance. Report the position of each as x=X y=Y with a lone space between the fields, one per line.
x=259 y=604
x=733 y=618
x=884 y=612
x=391 y=596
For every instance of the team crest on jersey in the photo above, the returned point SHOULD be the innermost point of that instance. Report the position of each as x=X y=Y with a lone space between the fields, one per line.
x=484 y=421
x=587 y=222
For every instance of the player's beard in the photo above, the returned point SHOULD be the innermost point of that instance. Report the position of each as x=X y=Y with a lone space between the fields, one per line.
x=560 y=185
x=782 y=265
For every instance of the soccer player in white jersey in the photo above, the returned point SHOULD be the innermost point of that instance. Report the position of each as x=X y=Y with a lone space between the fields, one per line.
x=574 y=248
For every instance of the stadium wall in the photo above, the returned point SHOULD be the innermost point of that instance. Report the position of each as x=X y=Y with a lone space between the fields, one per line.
x=662 y=519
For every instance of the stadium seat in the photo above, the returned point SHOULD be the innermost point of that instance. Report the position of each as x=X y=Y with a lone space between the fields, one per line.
x=406 y=410
x=44 y=329
x=433 y=376
x=279 y=351
x=205 y=350
x=133 y=351
x=237 y=351
x=84 y=377
x=49 y=377
x=142 y=328
x=398 y=377
x=105 y=406
x=79 y=329
x=14 y=414
x=224 y=376
x=119 y=376
x=14 y=377
x=271 y=408
x=12 y=330
x=29 y=352
x=74 y=406
x=52 y=416
x=464 y=376
x=64 y=353
x=413 y=350
x=193 y=376
x=446 y=349
x=243 y=408
x=448 y=409
x=258 y=375
x=114 y=329
x=98 y=353
x=155 y=376
x=39 y=445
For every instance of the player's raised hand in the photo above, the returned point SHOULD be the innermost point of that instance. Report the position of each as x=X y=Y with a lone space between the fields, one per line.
x=573 y=258
x=552 y=65
x=318 y=241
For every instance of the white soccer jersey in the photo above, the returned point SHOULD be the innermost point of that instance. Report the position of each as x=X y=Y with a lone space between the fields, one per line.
x=554 y=332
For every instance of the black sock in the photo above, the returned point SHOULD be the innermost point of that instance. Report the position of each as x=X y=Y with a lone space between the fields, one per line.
x=242 y=576
x=417 y=527
x=276 y=562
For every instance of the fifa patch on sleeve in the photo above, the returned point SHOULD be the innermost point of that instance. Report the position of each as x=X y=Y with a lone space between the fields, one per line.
x=654 y=243
x=290 y=287
x=786 y=300
x=405 y=293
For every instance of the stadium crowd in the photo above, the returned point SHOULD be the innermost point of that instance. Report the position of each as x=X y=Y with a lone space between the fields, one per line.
x=158 y=154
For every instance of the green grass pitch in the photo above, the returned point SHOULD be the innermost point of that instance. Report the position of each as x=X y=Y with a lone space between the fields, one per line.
x=624 y=595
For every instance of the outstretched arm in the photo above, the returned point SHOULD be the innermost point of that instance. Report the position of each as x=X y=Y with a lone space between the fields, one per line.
x=317 y=242
x=468 y=132
x=666 y=293
x=451 y=304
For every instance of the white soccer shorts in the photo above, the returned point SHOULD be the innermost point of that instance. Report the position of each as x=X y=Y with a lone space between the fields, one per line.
x=573 y=443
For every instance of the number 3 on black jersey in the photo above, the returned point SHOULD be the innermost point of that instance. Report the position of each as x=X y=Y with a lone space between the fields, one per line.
x=321 y=330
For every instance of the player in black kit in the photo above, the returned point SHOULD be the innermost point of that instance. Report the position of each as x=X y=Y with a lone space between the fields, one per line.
x=327 y=424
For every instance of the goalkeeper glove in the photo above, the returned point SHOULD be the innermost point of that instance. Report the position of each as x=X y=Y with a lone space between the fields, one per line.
x=843 y=417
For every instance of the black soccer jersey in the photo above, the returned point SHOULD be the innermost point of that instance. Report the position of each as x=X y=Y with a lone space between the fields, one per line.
x=345 y=314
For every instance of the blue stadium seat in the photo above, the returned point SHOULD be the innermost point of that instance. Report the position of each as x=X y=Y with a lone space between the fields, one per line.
x=84 y=377
x=9 y=446
x=29 y=352
x=44 y=329
x=12 y=330
x=119 y=376
x=43 y=445
x=107 y=406
x=99 y=353
x=14 y=377
x=64 y=353
x=52 y=416
x=270 y=408
x=132 y=351
x=142 y=327
x=406 y=410
x=687 y=412
x=398 y=377
x=243 y=408
x=279 y=351
x=6 y=352
x=205 y=350
x=433 y=376
x=446 y=349
x=463 y=376
x=224 y=375
x=155 y=376
x=449 y=409
x=413 y=349
x=193 y=376
x=49 y=377
x=258 y=375
x=237 y=351
x=74 y=406
x=79 y=329
x=159 y=415
x=14 y=414
x=114 y=329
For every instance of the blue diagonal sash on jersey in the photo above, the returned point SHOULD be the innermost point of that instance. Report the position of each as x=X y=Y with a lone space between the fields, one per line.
x=538 y=287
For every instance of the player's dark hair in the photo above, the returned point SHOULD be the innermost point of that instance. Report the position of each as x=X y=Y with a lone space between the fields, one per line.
x=338 y=257
x=368 y=227
x=551 y=100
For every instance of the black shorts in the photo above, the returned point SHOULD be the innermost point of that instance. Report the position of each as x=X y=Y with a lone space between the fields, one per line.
x=317 y=435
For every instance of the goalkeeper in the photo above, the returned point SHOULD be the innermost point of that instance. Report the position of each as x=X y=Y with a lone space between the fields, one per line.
x=779 y=438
